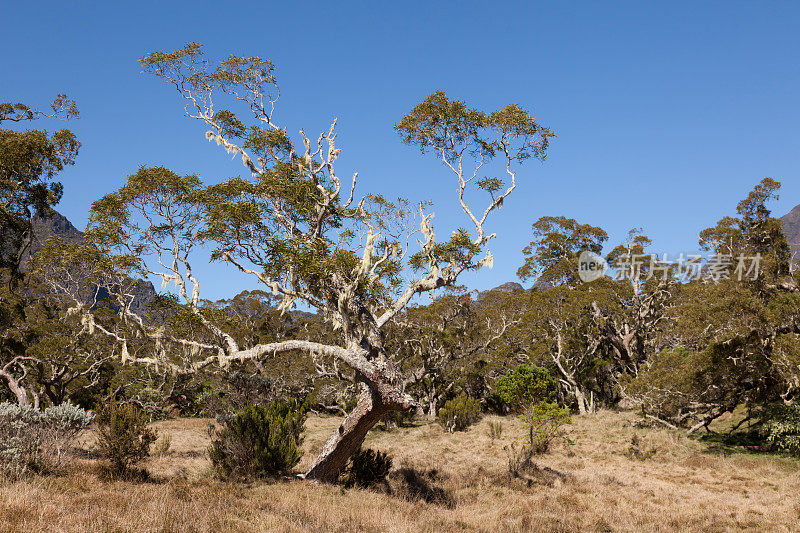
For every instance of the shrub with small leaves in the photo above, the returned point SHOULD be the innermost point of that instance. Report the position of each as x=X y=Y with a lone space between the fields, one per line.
x=495 y=429
x=367 y=468
x=781 y=428
x=35 y=441
x=68 y=418
x=545 y=423
x=123 y=437
x=19 y=440
x=259 y=441
x=459 y=413
x=524 y=386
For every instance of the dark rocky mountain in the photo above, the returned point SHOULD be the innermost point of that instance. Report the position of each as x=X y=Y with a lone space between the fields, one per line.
x=44 y=228
x=540 y=285
x=510 y=286
x=791 y=228
x=59 y=226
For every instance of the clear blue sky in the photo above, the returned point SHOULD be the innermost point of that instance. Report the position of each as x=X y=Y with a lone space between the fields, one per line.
x=667 y=113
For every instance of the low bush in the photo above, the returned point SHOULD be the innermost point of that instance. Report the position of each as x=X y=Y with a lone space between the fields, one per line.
x=495 y=429
x=123 y=437
x=526 y=385
x=545 y=423
x=459 y=413
x=259 y=441
x=781 y=428
x=367 y=468
x=36 y=441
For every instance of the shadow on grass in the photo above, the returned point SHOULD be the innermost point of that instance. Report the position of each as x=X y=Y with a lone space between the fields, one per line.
x=419 y=485
x=746 y=442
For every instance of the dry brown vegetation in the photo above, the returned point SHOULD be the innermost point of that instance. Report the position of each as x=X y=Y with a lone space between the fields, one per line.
x=683 y=486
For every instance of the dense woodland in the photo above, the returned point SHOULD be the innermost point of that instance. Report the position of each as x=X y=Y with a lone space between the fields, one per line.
x=355 y=307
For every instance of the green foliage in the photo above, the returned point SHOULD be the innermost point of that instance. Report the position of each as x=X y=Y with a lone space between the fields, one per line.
x=526 y=385
x=495 y=429
x=123 y=437
x=367 y=468
x=459 y=413
x=781 y=428
x=29 y=162
x=445 y=126
x=753 y=231
x=259 y=441
x=545 y=423
x=490 y=185
x=36 y=441
x=553 y=254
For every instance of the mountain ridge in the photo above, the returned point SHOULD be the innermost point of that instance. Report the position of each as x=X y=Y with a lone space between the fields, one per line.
x=791 y=228
x=58 y=225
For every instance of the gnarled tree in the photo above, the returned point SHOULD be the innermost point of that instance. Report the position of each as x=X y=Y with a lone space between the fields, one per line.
x=295 y=225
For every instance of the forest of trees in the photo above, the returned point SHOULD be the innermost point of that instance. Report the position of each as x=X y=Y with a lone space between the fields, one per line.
x=355 y=307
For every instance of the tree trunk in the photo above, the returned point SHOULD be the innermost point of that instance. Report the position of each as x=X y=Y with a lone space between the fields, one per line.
x=585 y=405
x=433 y=406
x=17 y=389
x=335 y=453
x=581 y=399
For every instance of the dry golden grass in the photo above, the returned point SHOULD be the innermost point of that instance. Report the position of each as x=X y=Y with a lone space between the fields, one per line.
x=682 y=487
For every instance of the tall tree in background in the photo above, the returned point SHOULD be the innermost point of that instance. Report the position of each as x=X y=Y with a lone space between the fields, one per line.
x=297 y=228
x=552 y=256
x=29 y=163
x=634 y=323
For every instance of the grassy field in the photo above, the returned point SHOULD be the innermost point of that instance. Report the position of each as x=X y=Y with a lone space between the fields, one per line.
x=592 y=484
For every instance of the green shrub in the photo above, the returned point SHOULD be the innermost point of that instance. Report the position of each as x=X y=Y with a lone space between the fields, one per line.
x=781 y=428
x=524 y=386
x=367 y=468
x=123 y=437
x=545 y=423
x=259 y=441
x=398 y=419
x=36 y=441
x=459 y=413
x=495 y=429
